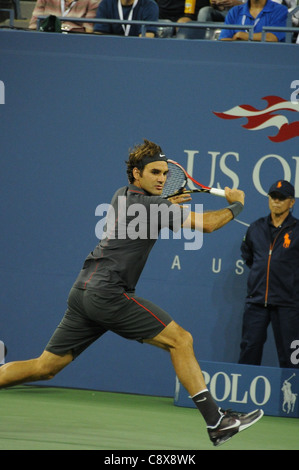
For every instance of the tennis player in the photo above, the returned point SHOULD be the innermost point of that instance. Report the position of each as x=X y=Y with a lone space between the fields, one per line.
x=103 y=296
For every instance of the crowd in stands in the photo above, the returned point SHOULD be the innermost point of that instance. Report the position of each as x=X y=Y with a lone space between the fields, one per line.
x=256 y=13
x=63 y=8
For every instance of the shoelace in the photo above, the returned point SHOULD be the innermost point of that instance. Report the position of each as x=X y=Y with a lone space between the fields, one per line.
x=233 y=414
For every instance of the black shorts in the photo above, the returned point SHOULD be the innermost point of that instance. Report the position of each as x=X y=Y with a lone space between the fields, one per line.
x=89 y=315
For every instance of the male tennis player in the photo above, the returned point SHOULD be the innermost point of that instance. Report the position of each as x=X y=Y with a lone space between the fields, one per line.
x=103 y=296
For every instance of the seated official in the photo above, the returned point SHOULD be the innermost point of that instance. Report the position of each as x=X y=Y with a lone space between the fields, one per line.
x=258 y=13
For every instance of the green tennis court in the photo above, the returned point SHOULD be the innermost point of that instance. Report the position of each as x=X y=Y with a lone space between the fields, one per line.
x=45 y=418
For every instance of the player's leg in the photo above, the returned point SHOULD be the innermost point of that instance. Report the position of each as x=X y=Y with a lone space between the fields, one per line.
x=179 y=343
x=155 y=326
x=44 y=367
x=221 y=425
x=142 y=320
x=72 y=336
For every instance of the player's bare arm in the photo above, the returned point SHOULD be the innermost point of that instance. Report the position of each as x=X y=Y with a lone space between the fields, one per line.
x=213 y=220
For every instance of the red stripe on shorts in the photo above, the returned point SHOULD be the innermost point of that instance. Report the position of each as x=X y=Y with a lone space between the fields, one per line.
x=138 y=303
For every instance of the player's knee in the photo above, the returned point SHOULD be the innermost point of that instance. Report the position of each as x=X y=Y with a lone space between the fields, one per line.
x=46 y=371
x=188 y=338
x=49 y=374
x=49 y=366
x=184 y=339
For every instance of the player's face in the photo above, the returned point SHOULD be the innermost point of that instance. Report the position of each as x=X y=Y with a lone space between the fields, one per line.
x=279 y=206
x=153 y=177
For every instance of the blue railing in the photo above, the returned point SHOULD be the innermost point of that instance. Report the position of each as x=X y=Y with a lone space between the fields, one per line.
x=159 y=24
x=11 y=16
x=191 y=24
x=167 y=24
x=270 y=29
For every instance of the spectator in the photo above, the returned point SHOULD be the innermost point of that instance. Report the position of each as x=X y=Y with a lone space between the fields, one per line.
x=171 y=10
x=271 y=251
x=146 y=10
x=192 y=7
x=178 y=11
x=292 y=7
x=258 y=13
x=64 y=8
x=217 y=11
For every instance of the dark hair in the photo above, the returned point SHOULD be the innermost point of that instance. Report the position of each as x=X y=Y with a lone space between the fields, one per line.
x=136 y=155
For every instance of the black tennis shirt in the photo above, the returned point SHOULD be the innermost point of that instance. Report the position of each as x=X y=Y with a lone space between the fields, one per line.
x=134 y=221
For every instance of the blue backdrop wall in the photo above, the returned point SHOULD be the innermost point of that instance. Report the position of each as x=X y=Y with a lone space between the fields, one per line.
x=71 y=107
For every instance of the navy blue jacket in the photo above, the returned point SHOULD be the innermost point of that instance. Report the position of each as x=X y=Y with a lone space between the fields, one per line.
x=146 y=10
x=273 y=260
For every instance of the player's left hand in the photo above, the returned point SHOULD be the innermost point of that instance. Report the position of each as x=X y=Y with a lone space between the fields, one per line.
x=180 y=198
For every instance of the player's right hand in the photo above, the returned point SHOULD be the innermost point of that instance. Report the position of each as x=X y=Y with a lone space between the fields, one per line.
x=234 y=195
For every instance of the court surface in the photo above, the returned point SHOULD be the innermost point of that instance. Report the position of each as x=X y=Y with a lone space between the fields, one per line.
x=46 y=418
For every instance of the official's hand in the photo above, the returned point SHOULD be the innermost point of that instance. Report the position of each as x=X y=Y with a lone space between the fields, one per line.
x=234 y=195
x=241 y=36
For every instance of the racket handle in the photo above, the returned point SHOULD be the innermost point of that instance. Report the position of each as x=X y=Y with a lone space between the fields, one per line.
x=217 y=192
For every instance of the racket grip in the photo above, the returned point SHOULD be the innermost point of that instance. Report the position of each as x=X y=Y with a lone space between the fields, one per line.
x=217 y=192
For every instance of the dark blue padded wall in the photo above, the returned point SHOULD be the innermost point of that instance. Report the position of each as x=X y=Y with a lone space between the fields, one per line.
x=73 y=106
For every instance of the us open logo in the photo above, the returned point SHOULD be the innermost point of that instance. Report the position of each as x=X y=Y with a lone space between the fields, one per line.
x=274 y=114
x=2 y=92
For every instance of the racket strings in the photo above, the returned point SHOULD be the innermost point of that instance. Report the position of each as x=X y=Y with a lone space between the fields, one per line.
x=176 y=180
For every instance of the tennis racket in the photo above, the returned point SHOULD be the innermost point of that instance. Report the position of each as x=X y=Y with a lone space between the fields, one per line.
x=177 y=179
